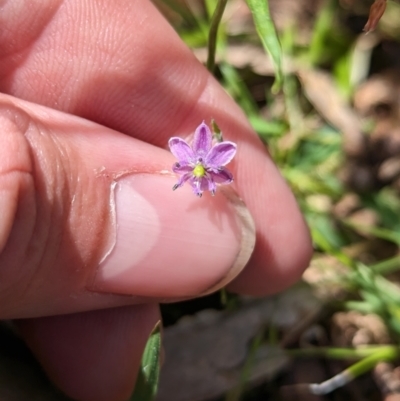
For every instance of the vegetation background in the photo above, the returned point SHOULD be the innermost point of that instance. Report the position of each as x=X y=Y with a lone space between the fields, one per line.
x=332 y=124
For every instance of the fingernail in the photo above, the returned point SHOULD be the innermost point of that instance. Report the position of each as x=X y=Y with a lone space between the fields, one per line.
x=172 y=243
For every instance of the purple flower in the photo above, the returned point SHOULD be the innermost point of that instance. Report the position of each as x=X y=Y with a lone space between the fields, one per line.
x=202 y=164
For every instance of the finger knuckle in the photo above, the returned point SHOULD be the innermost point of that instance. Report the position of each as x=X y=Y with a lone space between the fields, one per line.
x=32 y=187
x=17 y=198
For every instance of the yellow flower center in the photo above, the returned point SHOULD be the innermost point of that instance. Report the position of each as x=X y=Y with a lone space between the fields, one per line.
x=199 y=171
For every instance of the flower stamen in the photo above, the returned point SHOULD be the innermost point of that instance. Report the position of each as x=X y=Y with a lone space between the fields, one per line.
x=199 y=171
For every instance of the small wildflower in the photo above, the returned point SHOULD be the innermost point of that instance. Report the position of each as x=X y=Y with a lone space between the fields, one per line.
x=202 y=164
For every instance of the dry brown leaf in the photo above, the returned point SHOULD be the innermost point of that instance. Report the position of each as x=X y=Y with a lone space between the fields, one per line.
x=375 y=13
x=321 y=91
x=205 y=354
x=356 y=329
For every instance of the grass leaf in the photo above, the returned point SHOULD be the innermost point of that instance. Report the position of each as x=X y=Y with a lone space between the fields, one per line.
x=266 y=31
x=147 y=380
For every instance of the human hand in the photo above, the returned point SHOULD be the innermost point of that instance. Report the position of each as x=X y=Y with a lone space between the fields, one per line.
x=121 y=67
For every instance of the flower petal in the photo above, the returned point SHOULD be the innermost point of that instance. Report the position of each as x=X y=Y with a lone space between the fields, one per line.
x=182 y=168
x=199 y=185
x=212 y=187
x=221 y=176
x=221 y=154
x=202 y=140
x=181 y=150
x=182 y=180
x=206 y=183
x=195 y=183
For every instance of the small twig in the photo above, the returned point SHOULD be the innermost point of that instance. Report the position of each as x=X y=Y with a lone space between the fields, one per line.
x=212 y=35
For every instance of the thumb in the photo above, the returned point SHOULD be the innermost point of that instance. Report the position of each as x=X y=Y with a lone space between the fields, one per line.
x=88 y=214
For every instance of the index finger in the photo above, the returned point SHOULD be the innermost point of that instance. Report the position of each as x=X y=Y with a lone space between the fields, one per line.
x=120 y=64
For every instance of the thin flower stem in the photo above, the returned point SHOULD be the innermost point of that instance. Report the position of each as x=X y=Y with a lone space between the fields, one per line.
x=212 y=35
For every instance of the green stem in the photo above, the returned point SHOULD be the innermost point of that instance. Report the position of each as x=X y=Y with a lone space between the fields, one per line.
x=212 y=36
x=236 y=393
x=384 y=353
x=343 y=353
x=331 y=384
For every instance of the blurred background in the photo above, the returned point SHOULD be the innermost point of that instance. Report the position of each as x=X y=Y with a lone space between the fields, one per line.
x=334 y=131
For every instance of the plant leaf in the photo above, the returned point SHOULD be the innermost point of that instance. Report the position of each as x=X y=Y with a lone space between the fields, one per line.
x=266 y=31
x=148 y=376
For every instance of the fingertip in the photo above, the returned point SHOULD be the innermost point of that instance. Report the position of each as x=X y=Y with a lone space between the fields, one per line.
x=280 y=257
x=161 y=234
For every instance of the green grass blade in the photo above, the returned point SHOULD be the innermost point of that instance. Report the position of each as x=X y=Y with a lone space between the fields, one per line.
x=181 y=10
x=383 y=233
x=366 y=364
x=387 y=266
x=323 y=29
x=266 y=31
x=236 y=87
x=147 y=380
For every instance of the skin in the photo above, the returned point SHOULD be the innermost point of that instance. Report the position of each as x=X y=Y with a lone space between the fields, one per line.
x=122 y=68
